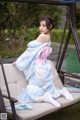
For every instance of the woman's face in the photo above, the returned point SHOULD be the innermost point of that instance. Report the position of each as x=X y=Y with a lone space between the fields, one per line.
x=43 y=28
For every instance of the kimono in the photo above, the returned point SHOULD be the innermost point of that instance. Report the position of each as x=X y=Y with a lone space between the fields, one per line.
x=39 y=76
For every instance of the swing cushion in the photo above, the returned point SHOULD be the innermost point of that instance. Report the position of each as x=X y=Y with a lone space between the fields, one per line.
x=16 y=81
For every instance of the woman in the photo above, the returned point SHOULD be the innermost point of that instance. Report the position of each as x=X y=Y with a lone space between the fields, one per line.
x=37 y=69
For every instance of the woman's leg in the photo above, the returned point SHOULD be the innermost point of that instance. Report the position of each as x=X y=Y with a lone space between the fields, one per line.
x=48 y=98
x=64 y=92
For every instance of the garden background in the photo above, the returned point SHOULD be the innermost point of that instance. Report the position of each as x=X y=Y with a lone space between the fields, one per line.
x=19 y=25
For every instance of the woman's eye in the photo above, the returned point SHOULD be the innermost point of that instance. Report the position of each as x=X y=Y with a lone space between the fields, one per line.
x=43 y=25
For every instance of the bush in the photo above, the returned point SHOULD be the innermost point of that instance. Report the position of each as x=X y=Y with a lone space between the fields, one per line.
x=31 y=34
x=56 y=35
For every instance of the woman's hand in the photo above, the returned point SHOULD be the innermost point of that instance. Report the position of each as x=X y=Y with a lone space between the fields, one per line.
x=13 y=63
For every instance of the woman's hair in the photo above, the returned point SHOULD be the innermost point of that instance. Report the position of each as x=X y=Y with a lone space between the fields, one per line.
x=48 y=20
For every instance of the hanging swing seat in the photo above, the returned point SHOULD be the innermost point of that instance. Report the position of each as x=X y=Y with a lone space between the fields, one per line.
x=16 y=81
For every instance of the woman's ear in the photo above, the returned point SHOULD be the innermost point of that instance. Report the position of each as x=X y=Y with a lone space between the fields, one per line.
x=50 y=26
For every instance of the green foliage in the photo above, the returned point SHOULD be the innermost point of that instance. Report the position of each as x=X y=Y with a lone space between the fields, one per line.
x=32 y=34
x=6 y=53
x=20 y=14
x=57 y=36
x=16 y=18
x=78 y=16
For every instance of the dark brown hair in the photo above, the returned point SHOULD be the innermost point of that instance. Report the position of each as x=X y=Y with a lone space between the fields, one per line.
x=48 y=20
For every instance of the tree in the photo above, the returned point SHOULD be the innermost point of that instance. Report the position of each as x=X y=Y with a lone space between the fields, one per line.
x=78 y=16
x=16 y=18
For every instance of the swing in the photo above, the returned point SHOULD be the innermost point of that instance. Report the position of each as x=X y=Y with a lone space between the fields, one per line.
x=12 y=80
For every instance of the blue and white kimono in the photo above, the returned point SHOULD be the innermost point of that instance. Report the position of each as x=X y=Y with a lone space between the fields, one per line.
x=39 y=76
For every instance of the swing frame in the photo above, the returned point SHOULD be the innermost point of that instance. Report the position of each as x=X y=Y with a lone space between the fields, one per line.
x=72 y=30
